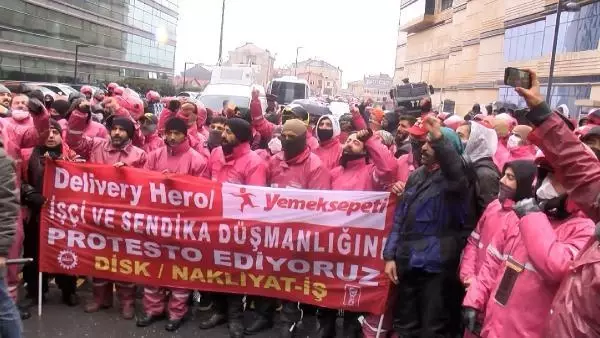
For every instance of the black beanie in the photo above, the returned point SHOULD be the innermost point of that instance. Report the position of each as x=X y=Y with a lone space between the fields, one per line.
x=525 y=172
x=55 y=125
x=240 y=128
x=176 y=123
x=61 y=107
x=124 y=123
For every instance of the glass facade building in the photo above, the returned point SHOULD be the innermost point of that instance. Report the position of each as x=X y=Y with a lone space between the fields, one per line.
x=116 y=39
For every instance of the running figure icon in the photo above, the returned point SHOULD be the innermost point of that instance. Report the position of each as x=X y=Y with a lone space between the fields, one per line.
x=246 y=199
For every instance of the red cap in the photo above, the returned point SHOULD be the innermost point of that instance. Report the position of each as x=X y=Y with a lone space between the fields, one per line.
x=418 y=129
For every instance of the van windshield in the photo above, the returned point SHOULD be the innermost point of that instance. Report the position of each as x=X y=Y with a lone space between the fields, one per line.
x=287 y=92
x=215 y=102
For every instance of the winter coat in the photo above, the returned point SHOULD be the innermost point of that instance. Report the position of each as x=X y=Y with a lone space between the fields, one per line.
x=377 y=175
x=22 y=135
x=544 y=248
x=526 y=152
x=305 y=171
x=9 y=203
x=181 y=159
x=152 y=142
x=242 y=166
x=575 y=310
x=101 y=151
x=496 y=217
x=330 y=151
x=501 y=156
x=406 y=166
x=430 y=217
x=95 y=129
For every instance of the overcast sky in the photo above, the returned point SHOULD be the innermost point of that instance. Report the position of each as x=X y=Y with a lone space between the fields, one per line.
x=357 y=36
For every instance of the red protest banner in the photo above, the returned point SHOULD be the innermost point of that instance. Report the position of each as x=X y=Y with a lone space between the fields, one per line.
x=317 y=247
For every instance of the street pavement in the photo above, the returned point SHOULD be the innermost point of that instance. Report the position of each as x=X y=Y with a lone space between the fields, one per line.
x=59 y=320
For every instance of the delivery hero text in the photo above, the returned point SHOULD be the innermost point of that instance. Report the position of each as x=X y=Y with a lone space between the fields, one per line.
x=323 y=205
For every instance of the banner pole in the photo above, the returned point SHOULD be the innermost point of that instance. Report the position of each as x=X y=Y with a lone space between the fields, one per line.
x=39 y=294
x=380 y=326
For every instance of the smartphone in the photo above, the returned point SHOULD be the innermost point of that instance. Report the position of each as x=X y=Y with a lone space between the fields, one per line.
x=515 y=77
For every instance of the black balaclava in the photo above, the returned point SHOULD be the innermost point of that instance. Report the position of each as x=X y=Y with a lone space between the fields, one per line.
x=524 y=171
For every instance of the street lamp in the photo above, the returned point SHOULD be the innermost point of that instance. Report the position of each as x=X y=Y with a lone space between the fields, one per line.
x=184 y=70
x=568 y=7
x=77 y=59
x=296 y=67
x=221 y=38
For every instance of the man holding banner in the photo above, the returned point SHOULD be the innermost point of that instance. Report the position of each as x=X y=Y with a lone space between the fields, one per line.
x=117 y=151
x=234 y=162
x=177 y=157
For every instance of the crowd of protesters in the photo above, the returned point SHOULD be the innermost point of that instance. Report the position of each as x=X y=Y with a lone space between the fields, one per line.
x=493 y=234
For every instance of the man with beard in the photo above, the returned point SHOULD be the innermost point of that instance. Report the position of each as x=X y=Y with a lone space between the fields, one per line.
x=119 y=151
x=148 y=126
x=330 y=149
x=216 y=129
x=425 y=242
x=31 y=196
x=365 y=165
x=234 y=162
x=298 y=168
x=179 y=158
x=402 y=140
x=5 y=98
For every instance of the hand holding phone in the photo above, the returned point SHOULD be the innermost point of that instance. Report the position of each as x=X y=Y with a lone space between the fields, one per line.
x=515 y=77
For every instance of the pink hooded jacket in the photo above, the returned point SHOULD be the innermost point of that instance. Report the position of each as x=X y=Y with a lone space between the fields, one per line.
x=181 y=159
x=305 y=171
x=526 y=152
x=502 y=155
x=330 y=151
x=405 y=167
x=97 y=150
x=243 y=166
x=95 y=129
x=152 y=142
x=545 y=249
x=22 y=134
x=360 y=175
x=496 y=216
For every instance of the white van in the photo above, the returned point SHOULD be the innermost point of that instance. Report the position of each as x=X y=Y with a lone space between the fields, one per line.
x=288 y=89
x=214 y=94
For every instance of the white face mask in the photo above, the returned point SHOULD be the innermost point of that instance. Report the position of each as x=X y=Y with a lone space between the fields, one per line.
x=19 y=115
x=275 y=145
x=514 y=141
x=546 y=191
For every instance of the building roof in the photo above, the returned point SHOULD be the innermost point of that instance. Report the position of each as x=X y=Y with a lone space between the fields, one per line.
x=317 y=63
x=250 y=45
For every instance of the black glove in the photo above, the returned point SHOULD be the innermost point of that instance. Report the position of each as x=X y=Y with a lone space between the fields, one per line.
x=469 y=317
x=526 y=206
x=174 y=105
x=35 y=106
x=30 y=197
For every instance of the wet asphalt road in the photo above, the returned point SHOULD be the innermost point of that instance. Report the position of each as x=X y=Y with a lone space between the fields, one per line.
x=59 y=320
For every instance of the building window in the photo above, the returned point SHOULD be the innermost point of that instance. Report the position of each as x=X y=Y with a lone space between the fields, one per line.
x=446 y=4
x=578 y=31
x=560 y=95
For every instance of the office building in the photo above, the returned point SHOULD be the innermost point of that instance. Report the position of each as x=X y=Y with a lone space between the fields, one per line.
x=462 y=47
x=115 y=40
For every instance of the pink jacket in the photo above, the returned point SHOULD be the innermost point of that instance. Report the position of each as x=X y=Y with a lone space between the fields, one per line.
x=22 y=134
x=304 y=171
x=362 y=176
x=546 y=249
x=152 y=142
x=178 y=160
x=243 y=166
x=405 y=167
x=496 y=217
x=526 y=152
x=95 y=129
x=502 y=156
x=330 y=152
x=97 y=150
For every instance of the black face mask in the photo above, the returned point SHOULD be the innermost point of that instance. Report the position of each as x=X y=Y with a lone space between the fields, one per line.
x=293 y=147
x=348 y=156
x=325 y=134
x=227 y=148
x=506 y=193
x=214 y=139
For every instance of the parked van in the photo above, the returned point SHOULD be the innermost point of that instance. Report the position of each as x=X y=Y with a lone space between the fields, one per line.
x=214 y=95
x=288 y=89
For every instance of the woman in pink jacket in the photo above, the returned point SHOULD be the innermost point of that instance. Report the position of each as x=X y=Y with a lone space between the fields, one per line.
x=518 y=145
x=526 y=262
